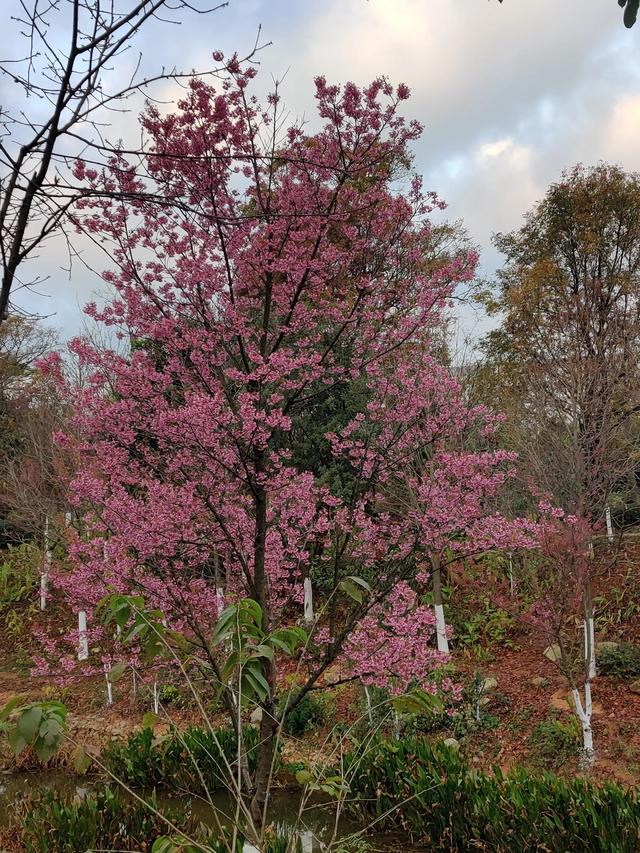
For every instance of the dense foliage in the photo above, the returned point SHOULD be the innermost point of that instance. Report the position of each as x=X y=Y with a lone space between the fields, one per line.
x=196 y=759
x=429 y=791
x=51 y=823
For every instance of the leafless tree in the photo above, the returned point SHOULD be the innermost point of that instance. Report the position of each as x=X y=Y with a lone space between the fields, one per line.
x=60 y=107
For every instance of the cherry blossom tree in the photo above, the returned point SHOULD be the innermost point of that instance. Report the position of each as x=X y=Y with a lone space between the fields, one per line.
x=557 y=587
x=450 y=498
x=285 y=264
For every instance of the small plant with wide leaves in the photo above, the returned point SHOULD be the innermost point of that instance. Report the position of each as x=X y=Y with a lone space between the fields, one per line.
x=39 y=725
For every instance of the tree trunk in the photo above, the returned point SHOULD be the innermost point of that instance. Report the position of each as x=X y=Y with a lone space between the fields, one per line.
x=584 y=713
x=308 y=601
x=589 y=632
x=609 y=524
x=441 y=625
x=266 y=753
x=46 y=566
x=83 y=640
x=268 y=723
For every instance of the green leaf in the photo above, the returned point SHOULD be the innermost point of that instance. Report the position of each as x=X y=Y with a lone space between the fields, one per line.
x=11 y=705
x=81 y=760
x=116 y=672
x=163 y=845
x=263 y=651
x=16 y=741
x=257 y=680
x=253 y=609
x=280 y=644
x=417 y=701
x=150 y=719
x=45 y=751
x=351 y=589
x=29 y=722
x=50 y=730
x=140 y=628
x=230 y=664
x=54 y=708
x=288 y=639
x=359 y=581
x=223 y=625
x=304 y=777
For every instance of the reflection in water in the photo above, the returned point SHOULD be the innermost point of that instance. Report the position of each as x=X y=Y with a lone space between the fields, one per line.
x=318 y=822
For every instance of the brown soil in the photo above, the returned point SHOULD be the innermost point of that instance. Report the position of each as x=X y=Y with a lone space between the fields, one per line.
x=517 y=703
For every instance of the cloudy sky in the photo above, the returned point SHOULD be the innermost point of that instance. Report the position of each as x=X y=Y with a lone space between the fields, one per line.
x=509 y=94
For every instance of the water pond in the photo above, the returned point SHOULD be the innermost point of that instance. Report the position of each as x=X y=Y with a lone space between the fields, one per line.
x=318 y=820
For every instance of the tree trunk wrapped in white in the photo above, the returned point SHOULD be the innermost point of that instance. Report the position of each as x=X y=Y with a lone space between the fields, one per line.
x=584 y=712
x=308 y=601
x=441 y=625
x=46 y=566
x=83 y=639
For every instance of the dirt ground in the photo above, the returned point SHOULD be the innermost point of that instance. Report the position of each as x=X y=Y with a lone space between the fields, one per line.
x=529 y=689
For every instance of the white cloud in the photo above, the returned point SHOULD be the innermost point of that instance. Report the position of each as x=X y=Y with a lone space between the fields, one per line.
x=510 y=93
x=621 y=142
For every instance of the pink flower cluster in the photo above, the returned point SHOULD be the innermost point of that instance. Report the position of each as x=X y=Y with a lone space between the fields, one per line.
x=268 y=277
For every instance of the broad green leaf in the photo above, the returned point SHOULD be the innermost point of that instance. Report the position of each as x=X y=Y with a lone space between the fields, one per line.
x=139 y=629
x=257 y=680
x=81 y=760
x=351 y=589
x=163 y=845
x=230 y=664
x=254 y=609
x=263 y=651
x=50 y=730
x=16 y=741
x=224 y=625
x=417 y=701
x=359 y=581
x=29 y=722
x=116 y=672
x=288 y=639
x=45 y=751
x=55 y=708
x=280 y=644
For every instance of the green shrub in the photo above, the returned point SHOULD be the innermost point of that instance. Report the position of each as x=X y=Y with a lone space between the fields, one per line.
x=427 y=791
x=55 y=823
x=622 y=662
x=555 y=741
x=478 y=624
x=277 y=839
x=107 y=820
x=19 y=573
x=170 y=694
x=307 y=714
x=179 y=759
